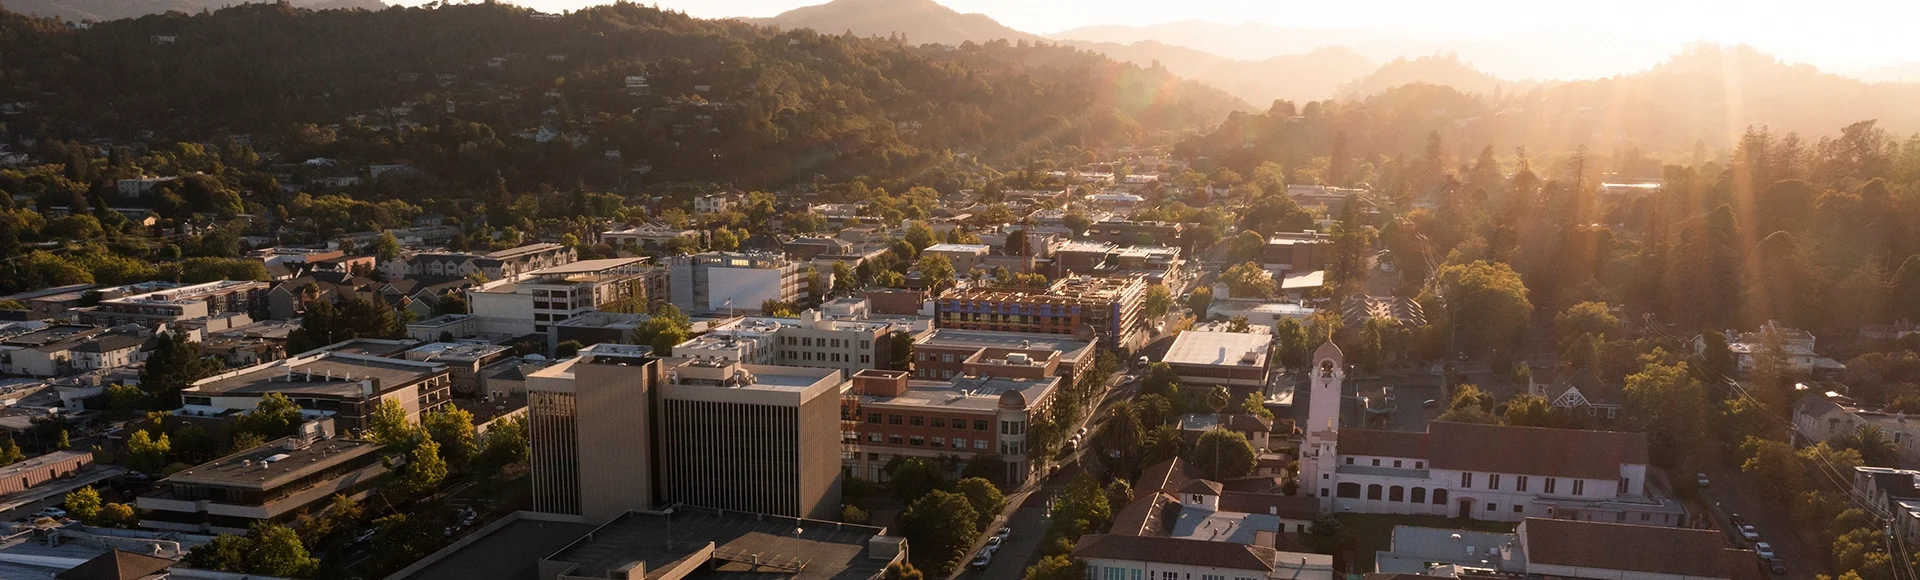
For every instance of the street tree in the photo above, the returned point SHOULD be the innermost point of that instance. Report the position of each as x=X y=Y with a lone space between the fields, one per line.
x=941 y=527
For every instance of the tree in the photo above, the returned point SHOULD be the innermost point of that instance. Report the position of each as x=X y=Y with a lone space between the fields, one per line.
x=1470 y=405
x=146 y=453
x=725 y=241
x=1161 y=380
x=274 y=417
x=1223 y=454
x=388 y=425
x=84 y=504
x=1199 y=301
x=1875 y=448
x=175 y=363
x=936 y=272
x=845 y=283
x=1248 y=280
x=902 y=571
x=506 y=444
x=1080 y=509
x=919 y=236
x=1249 y=246
x=941 y=527
x=451 y=428
x=1669 y=405
x=401 y=539
x=1158 y=301
x=913 y=477
x=1291 y=338
x=1256 y=406
x=1528 y=410
x=426 y=469
x=983 y=496
x=567 y=349
x=386 y=247
x=10 y=452
x=1163 y=442
x=1485 y=305
x=1056 y=567
x=1586 y=318
x=118 y=515
x=277 y=551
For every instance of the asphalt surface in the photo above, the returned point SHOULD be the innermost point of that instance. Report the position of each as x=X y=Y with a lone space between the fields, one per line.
x=1730 y=492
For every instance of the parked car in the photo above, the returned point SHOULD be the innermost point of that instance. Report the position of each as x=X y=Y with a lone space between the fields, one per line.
x=993 y=544
x=1749 y=532
x=450 y=531
x=982 y=559
x=1764 y=549
x=1004 y=534
x=1700 y=478
x=1778 y=567
x=1737 y=519
x=52 y=512
x=363 y=535
x=1430 y=403
x=1081 y=433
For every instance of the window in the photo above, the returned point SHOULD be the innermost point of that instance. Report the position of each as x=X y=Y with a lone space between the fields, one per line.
x=893 y=419
x=873 y=418
x=1623 y=486
x=1549 y=487
x=1466 y=480
x=1419 y=495
x=1439 y=496
x=1493 y=481
x=873 y=437
x=1169 y=576
x=1376 y=462
x=866 y=344
x=939 y=441
x=1349 y=461
x=959 y=443
x=1519 y=483
x=916 y=441
x=1396 y=463
x=1373 y=491
x=980 y=444
x=1212 y=577
x=893 y=438
x=1419 y=465
x=866 y=358
x=1579 y=486
x=1493 y=507
x=946 y=358
x=1349 y=490
x=1646 y=517
x=1396 y=493
x=979 y=424
x=1323 y=492
x=917 y=421
x=939 y=422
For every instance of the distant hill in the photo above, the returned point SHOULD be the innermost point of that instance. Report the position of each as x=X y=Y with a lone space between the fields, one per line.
x=104 y=10
x=922 y=21
x=1445 y=70
x=1246 y=41
x=1899 y=73
x=1299 y=77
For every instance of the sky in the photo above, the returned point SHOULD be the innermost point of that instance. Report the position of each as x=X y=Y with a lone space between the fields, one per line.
x=1834 y=33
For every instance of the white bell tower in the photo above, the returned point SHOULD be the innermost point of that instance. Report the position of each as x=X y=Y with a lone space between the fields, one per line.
x=1317 y=455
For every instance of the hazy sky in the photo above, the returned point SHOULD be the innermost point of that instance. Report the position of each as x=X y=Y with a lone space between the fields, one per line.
x=1836 y=32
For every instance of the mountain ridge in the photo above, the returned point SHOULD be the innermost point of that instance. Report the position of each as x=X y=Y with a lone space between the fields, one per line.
x=104 y=10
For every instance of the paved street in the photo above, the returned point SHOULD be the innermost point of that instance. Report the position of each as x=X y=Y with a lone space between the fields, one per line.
x=1731 y=492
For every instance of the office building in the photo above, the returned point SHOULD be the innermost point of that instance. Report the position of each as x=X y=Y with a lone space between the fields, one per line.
x=333 y=383
x=1237 y=360
x=986 y=412
x=180 y=303
x=533 y=301
x=735 y=282
x=615 y=429
x=1106 y=309
x=943 y=353
x=274 y=482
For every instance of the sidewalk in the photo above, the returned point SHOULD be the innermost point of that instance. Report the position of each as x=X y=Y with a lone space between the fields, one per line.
x=88 y=476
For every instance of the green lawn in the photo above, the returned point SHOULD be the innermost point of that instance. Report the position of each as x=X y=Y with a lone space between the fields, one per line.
x=1375 y=532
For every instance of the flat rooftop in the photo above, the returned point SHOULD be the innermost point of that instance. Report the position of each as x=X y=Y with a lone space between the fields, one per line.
x=271 y=465
x=455 y=351
x=1070 y=349
x=330 y=374
x=967 y=393
x=783 y=547
x=1218 y=348
x=587 y=266
x=971 y=248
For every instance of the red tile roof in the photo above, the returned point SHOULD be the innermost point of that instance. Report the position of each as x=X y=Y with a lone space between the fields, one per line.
x=1609 y=546
x=1530 y=450
x=1382 y=443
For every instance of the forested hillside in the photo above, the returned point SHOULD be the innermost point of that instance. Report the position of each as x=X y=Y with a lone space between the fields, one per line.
x=447 y=88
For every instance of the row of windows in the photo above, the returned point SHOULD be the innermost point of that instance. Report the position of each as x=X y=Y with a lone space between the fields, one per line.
x=922 y=441
x=930 y=373
x=1350 y=490
x=1118 y=573
x=938 y=422
x=825 y=342
x=1549 y=485
x=1396 y=463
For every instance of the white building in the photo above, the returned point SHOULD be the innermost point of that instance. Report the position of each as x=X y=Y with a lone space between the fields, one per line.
x=729 y=281
x=1484 y=472
x=527 y=304
x=713 y=203
x=1118 y=557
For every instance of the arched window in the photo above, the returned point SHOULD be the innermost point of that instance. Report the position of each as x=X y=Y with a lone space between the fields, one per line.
x=1373 y=491
x=1349 y=490
x=1439 y=496
x=1419 y=495
x=1396 y=493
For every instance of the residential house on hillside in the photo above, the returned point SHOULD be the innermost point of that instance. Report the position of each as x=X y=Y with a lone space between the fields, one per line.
x=1582 y=392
